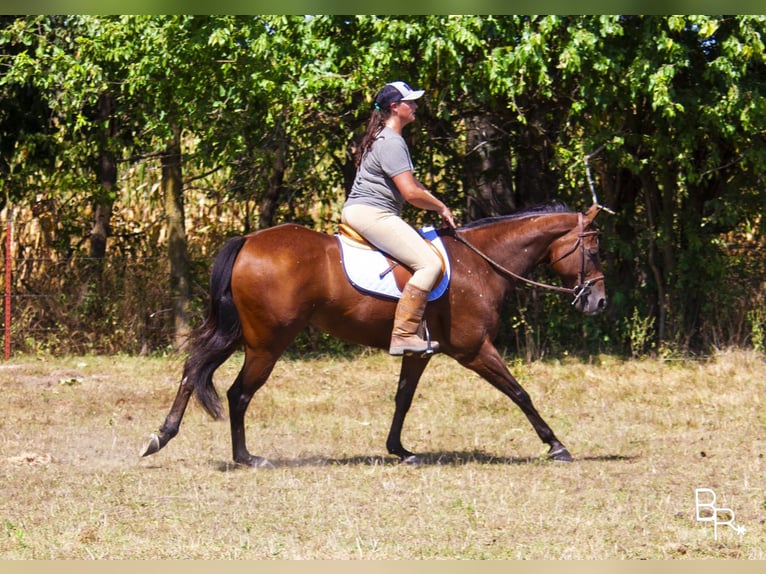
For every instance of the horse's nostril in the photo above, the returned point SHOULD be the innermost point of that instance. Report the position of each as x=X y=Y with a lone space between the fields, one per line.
x=602 y=303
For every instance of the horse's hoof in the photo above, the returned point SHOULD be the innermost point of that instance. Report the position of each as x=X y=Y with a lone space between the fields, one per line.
x=151 y=446
x=256 y=462
x=560 y=454
x=411 y=460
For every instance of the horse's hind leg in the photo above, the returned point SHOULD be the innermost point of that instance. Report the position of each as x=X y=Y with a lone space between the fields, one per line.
x=492 y=368
x=255 y=372
x=170 y=427
x=409 y=376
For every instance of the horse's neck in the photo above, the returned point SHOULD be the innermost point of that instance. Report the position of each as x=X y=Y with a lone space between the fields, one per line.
x=521 y=244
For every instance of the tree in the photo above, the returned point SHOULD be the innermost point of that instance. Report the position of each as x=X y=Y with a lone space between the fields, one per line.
x=681 y=142
x=665 y=112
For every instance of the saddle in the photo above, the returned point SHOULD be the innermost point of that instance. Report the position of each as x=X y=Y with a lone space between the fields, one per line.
x=372 y=271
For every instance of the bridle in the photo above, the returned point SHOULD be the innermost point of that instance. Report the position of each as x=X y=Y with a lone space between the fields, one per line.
x=578 y=291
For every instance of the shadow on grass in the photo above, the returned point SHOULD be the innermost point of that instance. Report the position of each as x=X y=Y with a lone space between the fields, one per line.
x=454 y=458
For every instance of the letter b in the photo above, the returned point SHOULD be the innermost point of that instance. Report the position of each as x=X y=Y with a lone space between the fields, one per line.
x=708 y=517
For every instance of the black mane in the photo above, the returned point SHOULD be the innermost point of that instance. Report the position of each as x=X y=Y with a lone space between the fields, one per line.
x=554 y=206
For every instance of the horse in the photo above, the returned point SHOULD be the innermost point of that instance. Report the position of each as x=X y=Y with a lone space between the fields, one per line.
x=267 y=286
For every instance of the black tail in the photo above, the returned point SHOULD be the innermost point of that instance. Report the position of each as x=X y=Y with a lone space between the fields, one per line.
x=219 y=335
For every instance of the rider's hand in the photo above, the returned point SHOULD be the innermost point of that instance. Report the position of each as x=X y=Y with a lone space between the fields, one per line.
x=447 y=216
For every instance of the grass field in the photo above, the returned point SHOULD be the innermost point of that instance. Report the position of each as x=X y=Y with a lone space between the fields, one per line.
x=644 y=434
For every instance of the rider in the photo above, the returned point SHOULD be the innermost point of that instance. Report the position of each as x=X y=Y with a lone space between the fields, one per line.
x=384 y=181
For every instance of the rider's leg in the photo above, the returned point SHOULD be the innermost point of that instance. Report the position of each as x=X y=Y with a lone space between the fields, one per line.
x=396 y=237
x=409 y=314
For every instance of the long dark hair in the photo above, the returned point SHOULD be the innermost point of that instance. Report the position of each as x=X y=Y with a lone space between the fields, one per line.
x=374 y=126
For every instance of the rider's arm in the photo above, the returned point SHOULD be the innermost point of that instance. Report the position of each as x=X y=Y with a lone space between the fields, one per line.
x=416 y=193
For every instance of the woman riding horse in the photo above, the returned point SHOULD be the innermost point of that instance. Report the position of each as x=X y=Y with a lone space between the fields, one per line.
x=384 y=181
x=489 y=258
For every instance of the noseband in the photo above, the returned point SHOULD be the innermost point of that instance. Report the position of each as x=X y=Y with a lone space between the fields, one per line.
x=583 y=286
x=578 y=291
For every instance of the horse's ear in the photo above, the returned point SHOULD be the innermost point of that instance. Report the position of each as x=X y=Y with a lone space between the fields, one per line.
x=592 y=212
x=594 y=209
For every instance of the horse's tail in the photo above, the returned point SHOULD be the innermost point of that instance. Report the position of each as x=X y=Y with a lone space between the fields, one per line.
x=219 y=335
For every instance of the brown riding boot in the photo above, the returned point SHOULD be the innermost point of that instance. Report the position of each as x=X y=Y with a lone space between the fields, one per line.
x=409 y=314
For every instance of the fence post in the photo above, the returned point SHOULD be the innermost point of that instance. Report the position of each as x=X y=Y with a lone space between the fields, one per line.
x=7 y=322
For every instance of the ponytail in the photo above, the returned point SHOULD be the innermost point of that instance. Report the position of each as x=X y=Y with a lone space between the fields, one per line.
x=374 y=126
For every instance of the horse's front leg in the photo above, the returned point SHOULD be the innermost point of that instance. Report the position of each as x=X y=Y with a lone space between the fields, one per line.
x=409 y=376
x=490 y=365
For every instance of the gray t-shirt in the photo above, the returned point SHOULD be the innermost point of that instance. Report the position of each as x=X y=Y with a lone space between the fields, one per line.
x=373 y=184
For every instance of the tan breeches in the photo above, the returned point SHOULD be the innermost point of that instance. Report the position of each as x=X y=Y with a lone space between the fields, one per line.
x=394 y=236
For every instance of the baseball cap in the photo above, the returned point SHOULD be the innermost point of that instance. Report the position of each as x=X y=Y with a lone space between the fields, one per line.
x=396 y=92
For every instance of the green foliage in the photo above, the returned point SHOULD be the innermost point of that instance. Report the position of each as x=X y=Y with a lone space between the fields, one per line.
x=757 y=320
x=667 y=111
x=16 y=533
x=641 y=333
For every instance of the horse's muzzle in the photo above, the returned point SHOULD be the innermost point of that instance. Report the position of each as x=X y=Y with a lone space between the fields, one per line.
x=590 y=298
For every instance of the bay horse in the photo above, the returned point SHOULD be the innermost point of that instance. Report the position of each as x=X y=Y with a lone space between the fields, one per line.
x=265 y=287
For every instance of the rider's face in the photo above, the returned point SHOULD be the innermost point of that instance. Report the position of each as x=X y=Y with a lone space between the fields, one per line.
x=405 y=110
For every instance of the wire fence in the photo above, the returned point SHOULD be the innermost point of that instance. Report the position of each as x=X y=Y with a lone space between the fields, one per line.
x=81 y=305
x=53 y=324
x=57 y=298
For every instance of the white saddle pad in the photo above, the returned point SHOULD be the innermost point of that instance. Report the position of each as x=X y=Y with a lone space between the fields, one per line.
x=364 y=267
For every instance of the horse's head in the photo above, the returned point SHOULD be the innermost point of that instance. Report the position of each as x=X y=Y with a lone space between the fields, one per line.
x=575 y=258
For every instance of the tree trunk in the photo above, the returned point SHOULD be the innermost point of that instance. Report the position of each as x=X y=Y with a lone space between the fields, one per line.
x=180 y=282
x=270 y=200
x=107 y=178
x=534 y=181
x=650 y=195
x=102 y=208
x=488 y=178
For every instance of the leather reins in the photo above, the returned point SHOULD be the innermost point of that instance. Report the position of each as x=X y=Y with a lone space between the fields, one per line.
x=578 y=291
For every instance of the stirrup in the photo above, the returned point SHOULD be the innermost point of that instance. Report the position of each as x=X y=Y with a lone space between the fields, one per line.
x=429 y=348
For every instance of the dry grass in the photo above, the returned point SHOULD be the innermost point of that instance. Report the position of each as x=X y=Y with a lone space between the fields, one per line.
x=644 y=435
